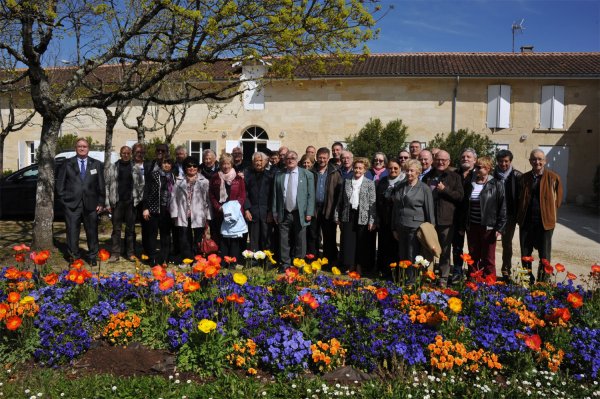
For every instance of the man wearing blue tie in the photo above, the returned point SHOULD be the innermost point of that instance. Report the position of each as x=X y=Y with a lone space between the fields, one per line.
x=80 y=187
x=292 y=208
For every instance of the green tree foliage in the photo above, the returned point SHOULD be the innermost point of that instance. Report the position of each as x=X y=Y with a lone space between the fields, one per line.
x=66 y=142
x=374 y=137
x=151 y=148
x=456 y=142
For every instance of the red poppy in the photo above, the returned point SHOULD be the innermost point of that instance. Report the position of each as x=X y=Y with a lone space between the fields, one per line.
x=4 y=309
x=450 y=292
x=190 y=285
x=533 y=342
x=571 y=276
x=13 y=322
x=472 y=286
x=40 y=258
x=314 y=304
x=220 y=300
x=291 y=272
x=166 y=283
x=214 y=259
x=310 y=256
x=103 y=255
x=381 y=293
x=21 y=247
x=51 y=278
x=13 y=297
x=27 y=274
x=306 y=297
x=20 y=257
x=159 y=272
x=490 y=279
x=232 y=297
x=559 y=267
x=527 y=259
x=354 y=275
x=467 y=258
x=595 y=268
x=548 y=269
x=230 y=259
x=77 y=264
x=477 y=276
x=575 y=299
x=560 y=313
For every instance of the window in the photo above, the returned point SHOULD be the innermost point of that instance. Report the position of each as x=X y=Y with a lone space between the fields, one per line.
x=254 y=95
x=196 y=148
x=498 y=112
x=552 y=107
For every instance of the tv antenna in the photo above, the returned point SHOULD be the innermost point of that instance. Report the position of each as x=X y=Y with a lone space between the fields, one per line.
x=517 y=27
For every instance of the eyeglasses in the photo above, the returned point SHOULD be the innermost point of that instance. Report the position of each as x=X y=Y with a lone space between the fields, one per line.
x=160 y=150
x=403 y=157
x=379 y=160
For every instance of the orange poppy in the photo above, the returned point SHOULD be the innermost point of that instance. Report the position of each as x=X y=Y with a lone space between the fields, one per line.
x=214 y=259
x=212 y=271
x=393 y=265
x=21 y=247
x=77 y=264
x=354 y=275
x=103 y=255
x=575 y=299
x=595 y=268
x=310 y=256
x=527 y=259
x=230 y=259
x=291 y=272
x=12 y=273
x=571 y=276
x=490 y=279
x=220 y=300
x=13 y=322
x=200 y=266
x=27 y=274
x=51 y=278
x=20 y=257
x=314 y=304
x=40 y=258
x=4 y=309
x=472 y=286
x=404 y=264
x=561 y=313
x=13 y=297
x=430 y=274
x=306 y=297
x=559 y=267
x=190 y=286
x=381 y=293
x=548 y=269
x=159 y=272
x=166 y=283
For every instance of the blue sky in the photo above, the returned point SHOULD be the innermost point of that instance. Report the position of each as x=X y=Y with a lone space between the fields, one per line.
x=485 y=25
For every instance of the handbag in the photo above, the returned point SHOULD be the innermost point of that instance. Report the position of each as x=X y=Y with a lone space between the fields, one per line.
x=427 y=236
x=207 y=245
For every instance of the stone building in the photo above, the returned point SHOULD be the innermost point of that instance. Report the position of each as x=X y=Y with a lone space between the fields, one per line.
x=521 y=101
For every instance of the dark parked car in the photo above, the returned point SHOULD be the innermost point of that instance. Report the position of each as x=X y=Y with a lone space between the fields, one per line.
x=18 y=194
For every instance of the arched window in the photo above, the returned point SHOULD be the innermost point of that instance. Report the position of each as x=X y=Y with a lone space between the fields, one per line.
x=254 y=138
x=255 y=133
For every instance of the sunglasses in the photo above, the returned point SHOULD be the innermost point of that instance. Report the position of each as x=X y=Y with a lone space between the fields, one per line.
x=379 y=160
x=160 y=150
x=192 y=166
x=403 y=157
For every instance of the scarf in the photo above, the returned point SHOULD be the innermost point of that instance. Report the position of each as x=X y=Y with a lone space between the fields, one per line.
x=354 y=197
x=376 y=173
x=226 y=178
x=504 y=175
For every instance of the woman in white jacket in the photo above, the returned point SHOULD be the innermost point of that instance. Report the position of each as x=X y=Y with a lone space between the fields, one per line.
x=190 y=207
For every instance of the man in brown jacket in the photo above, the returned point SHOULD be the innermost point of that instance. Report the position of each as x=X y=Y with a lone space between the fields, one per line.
x=328 y=185
x=540 y=198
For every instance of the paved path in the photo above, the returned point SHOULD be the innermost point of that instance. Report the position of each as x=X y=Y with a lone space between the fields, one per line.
x=575 y=244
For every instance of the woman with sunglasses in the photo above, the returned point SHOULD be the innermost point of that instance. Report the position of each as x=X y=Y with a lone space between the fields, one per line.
x=378 y=170
x=190 y=207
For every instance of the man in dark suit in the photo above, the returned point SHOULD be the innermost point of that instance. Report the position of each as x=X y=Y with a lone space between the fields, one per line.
x=81 y=189
x=257 y=207
x=293 y=205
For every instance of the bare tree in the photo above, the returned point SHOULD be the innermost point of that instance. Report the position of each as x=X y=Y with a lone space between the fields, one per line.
x=156 y=39
x=13 y=123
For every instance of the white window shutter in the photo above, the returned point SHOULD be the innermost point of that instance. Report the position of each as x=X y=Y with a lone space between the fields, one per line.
x=23 y=154
x=558 y=108
x=213 y=145
x=273 y=145
x=492 y=111
x=253 y=97
x=230 y=145
x=552 y=110
x=504 y=111
x=498 y=112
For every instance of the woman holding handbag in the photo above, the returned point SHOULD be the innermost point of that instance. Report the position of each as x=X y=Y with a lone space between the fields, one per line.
x=190 y=207
x=225 y=186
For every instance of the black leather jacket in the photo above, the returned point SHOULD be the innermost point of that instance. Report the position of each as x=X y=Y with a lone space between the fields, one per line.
x=493 y=205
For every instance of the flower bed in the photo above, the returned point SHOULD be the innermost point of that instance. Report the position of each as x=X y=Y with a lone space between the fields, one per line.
x=303 y=321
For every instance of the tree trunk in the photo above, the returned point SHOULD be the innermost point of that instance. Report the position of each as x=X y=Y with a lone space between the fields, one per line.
x=44 y=208
x=2 y=138
x=111 y=121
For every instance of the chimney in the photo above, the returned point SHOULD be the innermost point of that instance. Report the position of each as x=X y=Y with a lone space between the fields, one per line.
x=526 y=49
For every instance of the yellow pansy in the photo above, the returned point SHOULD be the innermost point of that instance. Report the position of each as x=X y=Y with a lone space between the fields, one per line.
x=206 y=326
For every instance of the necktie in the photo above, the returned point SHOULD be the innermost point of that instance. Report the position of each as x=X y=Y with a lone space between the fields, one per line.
x=289 y=198
x=82 y=170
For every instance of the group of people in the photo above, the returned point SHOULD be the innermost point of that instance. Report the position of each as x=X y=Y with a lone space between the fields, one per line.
x=294 y=205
